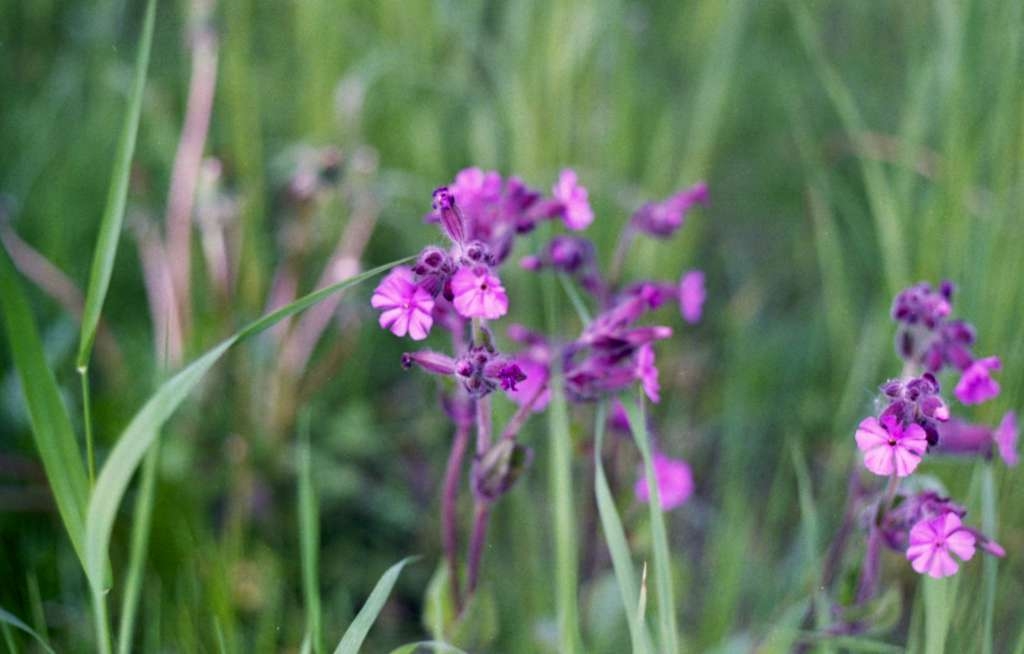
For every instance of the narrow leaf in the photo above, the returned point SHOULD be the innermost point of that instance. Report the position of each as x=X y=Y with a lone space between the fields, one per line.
x=51 y=426
x=615 y=537
x=140 y=433
x=309 y=535
x=8 y=618
x=141 y=523
x=113 y=214
x=667 y=630
x=356 y=633
x=435 y=646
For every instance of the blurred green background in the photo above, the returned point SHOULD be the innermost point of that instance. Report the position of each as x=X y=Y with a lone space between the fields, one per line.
x=851 y=148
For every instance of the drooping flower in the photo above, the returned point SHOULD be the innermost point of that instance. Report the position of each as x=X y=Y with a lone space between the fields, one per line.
x=478 y=293
x=647 y=372
x=976 y=384
x=933 y=542
x=674 y=479
x=406 y=306
x=577 y=213
x=691 y=295
x=890 y=448
x=1005 y=436
x=662 y=219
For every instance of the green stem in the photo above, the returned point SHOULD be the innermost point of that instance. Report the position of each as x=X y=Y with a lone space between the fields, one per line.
x=90 y=460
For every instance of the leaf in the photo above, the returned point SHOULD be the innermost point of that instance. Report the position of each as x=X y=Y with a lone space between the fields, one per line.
x=667 y=631
x=9 y=618
x=434 y=645
x=51 y=427
x=113 y=214
x=140 y=433
x=309 y=536
x=142 y=521
x=356 y=633
x=615 y=537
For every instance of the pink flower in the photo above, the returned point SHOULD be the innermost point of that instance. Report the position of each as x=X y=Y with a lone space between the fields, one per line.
x=976 y=384
x=478 y=293
x=578 y=214
x=536 y=381
x=691 y=295
x=674 y=479
x=662 y=219
x=474 y=187
x=1006 y=439
x=406 y=307
x=647 y=372
x=888 y=448
x=934 y=540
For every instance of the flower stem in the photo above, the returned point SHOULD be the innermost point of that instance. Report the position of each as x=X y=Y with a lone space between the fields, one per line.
x=481 y=517
x=449 y=501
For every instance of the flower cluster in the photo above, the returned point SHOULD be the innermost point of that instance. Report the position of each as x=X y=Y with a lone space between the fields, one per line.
x=458 y=287
x=915 y=421
x=928 y=338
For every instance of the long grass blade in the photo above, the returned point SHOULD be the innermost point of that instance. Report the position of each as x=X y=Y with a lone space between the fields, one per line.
x=113 y=214
x=435 y=646
x=309 y=535
x=989 y=525
x=356 y=632
x=10 y=619
x=615 y=536
x=142 y=431
x=141 y=522
x=51 y=426
x=667 y=630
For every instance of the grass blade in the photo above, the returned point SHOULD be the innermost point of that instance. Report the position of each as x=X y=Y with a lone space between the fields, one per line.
x=309 y=534
x=989 y=525
x=667 y=631
x=433 y=645
x=141 y=522
x=142 y=431
x=113 y=214
x=10 y=619
x=615 y=536
x=356 y=632
x=51 y=426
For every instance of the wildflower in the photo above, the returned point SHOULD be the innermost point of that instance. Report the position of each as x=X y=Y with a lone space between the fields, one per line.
x=647 y=372
x=1006 y=439
x=976 y=384
x=889 y=448
x=406 y=306
x=691 y=295
x=478 y=293
x=446 y=209
x=662 y=219
x=917 y=400
x=933 y=541
x=534 y=387
x=576 y=211
x=674 y=479
x=475 y=189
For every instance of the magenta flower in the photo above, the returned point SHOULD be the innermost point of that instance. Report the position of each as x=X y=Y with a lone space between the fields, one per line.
x=406 y=306
x=662 y=219
x=674 y=479
x=691 y=295
x=976 y=384
x=478 y=293
x=474 y=188
x=575 y=200
x=933 y=541
x=647 y=372
x=536 y=381
x=889 y=448
x=1006 y=439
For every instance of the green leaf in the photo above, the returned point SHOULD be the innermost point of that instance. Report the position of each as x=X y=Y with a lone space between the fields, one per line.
x=113 y=214
x=615 y=537
x=141 y=523
x=140 y=433
x=51 y=426
x=668 y=634
x=309 y=535
x=356 y=633
x=432 y=645
x=9 y=618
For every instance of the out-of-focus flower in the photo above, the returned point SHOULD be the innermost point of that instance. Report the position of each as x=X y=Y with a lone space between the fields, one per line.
x=1006 y=435
x=692 y=295
x=478 y=293
x=889 y=448
x=648 y=372
x=406 y=306
x=976 y=384
x=662 y=219
x=933 y=542
x=674 y=479
x=577 y=213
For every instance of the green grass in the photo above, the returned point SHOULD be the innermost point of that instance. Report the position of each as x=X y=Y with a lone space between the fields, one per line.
x=849 y=148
